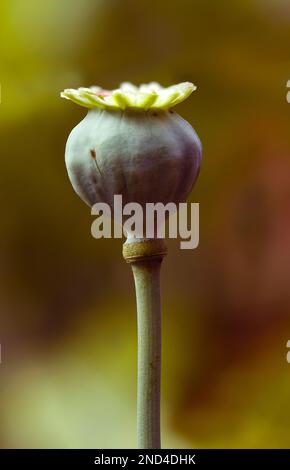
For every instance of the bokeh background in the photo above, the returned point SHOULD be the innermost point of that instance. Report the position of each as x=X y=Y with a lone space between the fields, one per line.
x=67 y=324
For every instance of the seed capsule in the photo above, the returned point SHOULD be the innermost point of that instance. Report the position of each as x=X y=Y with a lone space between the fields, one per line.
x=132 y=143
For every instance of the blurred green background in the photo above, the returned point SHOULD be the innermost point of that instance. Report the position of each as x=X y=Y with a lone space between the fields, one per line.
x=67 y=306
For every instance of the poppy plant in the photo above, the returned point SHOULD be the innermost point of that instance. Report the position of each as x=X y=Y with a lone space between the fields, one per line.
x=132 y=143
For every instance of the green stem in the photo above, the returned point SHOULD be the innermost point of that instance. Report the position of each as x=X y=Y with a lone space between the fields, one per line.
x=145 y=257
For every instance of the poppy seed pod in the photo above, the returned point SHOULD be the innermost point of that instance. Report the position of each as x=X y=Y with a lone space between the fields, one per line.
x=132 y=143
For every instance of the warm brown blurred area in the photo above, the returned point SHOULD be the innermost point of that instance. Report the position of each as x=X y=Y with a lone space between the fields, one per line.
x=67 y=307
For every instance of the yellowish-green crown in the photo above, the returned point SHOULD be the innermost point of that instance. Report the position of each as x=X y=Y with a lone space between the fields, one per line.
x=146 y=96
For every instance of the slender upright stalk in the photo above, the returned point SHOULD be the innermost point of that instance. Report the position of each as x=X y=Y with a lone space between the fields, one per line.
x=145 y=257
